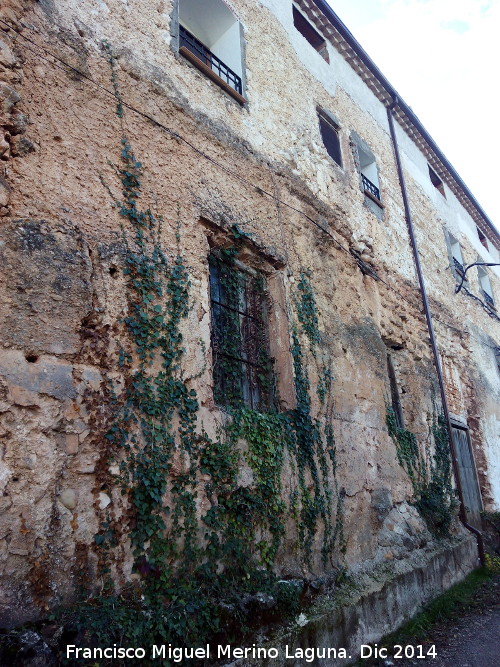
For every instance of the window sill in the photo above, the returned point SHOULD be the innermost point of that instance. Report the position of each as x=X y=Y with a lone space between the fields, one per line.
x=373 y=198
x=194 y=60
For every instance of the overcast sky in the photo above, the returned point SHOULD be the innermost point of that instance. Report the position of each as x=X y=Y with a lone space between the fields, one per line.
x=443 y=57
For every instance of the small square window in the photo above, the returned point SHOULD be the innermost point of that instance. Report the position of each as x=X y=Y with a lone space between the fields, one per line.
x=310 y=33
x=242 y=365
x=330 y=135
x=436 y=181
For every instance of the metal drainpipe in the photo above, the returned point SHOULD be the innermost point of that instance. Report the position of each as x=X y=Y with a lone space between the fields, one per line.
x=428 y=317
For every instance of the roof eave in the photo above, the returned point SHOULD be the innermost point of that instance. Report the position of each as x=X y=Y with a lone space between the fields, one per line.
x=390 y=95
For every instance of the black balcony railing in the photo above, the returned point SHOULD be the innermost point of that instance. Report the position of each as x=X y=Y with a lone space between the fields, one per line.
x=371 y=187
x=459 y=268
x=196 y=47
x=489 y=299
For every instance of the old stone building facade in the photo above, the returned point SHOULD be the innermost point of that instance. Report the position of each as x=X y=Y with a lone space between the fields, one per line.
x=214 y=348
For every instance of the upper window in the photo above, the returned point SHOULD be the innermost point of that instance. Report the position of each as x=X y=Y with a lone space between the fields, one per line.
x=330 y=134
x=366 y=166
x=456 y=255
x=482 y=238
x=242 y=365
x=436 y=181
x=310 y=33
x=369 y=173
x=210 y=38
x=485 y=285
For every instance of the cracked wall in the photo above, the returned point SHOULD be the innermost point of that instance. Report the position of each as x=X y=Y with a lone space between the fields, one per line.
x=63 y=296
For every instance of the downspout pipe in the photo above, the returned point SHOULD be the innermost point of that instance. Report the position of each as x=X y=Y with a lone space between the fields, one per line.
x=430 y=327
x=349 y=38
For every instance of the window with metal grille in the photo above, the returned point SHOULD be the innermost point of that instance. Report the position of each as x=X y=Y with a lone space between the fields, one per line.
x=367 y=166
x=210 y=38
x=485 y=285
x=456 y=256
x=330 y=135
x=242 y=366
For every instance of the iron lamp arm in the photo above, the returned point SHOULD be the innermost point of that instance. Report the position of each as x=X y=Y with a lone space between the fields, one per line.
x=459 y=287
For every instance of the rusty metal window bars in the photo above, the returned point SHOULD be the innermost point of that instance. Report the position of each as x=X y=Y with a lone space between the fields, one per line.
x=196 y=47
x=242 y=367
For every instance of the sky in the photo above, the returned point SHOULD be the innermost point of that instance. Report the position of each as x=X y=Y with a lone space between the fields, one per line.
x=443 y=58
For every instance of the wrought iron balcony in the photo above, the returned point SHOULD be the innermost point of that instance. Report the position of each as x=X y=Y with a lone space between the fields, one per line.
x=197 y=48
x=488 y=299
x=371 y=187
x=459 y=268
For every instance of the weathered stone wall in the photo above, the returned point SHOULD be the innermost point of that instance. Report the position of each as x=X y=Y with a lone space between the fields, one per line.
x=63 y=289
x=371 y=608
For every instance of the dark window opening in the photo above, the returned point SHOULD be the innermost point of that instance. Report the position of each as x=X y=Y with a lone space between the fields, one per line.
x=395 y=400
x=436 y=181
x=482 y=238
x=242 y=366
x=308 y=32
x=331 y=139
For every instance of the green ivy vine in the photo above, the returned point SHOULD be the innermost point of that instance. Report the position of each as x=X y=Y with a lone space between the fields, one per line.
x=204 y=541
x=434 y=496
x=306 y=309
x=437 y=501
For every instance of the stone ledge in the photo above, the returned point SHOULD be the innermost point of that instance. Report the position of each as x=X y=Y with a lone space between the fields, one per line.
x=377 y=605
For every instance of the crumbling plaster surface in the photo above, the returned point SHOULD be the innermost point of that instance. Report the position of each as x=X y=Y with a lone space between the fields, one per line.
x=63 y=290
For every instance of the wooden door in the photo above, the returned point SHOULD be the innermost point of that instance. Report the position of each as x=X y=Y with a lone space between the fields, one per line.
x=468 y=476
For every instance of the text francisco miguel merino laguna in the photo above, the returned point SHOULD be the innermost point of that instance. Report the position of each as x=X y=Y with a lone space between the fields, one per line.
x=176 y=654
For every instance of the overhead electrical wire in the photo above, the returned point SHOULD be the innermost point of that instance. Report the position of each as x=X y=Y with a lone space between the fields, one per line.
x=65 y=65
